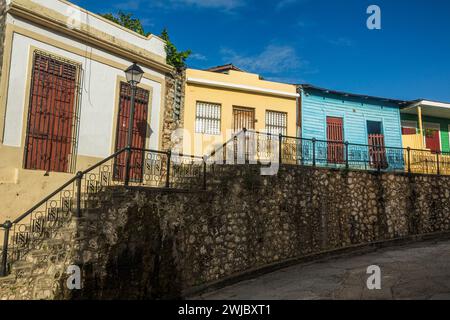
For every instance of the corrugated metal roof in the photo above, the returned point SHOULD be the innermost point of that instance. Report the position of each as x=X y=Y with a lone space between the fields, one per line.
x=400 y=103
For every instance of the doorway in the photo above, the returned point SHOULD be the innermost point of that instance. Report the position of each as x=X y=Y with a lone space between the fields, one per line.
x=139 y=132
x=52 y=116
x=377 y=149
x=335 y=137
x=433 y=137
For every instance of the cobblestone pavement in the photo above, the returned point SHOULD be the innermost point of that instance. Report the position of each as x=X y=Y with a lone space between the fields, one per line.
x=416 y=271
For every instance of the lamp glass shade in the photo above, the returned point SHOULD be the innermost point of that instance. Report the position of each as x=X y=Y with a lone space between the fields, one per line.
x=134 y=74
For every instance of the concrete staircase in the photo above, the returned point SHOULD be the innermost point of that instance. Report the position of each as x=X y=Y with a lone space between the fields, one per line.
x=40 y=271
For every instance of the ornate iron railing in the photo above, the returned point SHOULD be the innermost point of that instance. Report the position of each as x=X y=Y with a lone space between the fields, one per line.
x=148 y=168
x=258 y=147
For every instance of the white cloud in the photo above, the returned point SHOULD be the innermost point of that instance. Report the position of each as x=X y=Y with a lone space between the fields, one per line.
x=286 y=3
x=342 y=42
x=273 y=59
x=227 y=5
x=217 y=4
x=198 y=56
x=129 y=5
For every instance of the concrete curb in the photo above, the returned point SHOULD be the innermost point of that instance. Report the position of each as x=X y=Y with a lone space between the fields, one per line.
x=317 y=257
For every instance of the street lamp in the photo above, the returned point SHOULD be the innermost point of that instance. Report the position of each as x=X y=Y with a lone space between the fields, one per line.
x=134 y=76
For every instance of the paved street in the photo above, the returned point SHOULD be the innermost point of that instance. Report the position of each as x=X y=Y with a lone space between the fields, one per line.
x=417 y=271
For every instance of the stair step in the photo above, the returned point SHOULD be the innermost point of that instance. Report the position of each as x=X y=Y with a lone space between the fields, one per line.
x=21 y=265
x=9 y=279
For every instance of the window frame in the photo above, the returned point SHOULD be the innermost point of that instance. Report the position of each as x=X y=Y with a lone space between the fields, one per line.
x=274 y=126
x=409 y=124
x=219 y=120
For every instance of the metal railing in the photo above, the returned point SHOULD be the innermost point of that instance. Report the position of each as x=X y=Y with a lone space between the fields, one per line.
x=145 y=168
x=259 y=147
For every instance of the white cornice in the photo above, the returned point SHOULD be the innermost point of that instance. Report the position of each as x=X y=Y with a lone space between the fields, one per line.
x=241 y=87
x=428 y=103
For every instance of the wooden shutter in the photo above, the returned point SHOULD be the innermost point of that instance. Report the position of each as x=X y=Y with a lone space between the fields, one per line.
x=52 y=118
x=335 y=137
x=139 y=131
x=377 y=151
x=243 y=118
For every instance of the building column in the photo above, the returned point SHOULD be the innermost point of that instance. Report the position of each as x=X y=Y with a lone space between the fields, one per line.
x=419 y=115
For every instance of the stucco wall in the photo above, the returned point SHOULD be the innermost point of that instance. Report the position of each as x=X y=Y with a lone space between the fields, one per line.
x=229 y=98
x=101 y=72
x=2 y=31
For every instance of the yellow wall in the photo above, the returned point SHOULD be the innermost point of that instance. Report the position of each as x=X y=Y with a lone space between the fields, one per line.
x=20 y=189
x=413 y=141
x=227 y=98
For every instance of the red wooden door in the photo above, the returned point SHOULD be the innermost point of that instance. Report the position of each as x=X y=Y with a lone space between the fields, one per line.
x=335 y=137
x=377 y=151
x=432 y=140
x=52 y=115
x=139 y=132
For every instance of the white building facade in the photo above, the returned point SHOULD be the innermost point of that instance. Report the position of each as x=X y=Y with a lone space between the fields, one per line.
x=64 y=100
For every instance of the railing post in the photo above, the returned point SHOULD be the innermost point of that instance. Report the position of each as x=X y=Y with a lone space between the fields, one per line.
x=280 y=150
x=347 y=165
x=4 y=263
x=204 y=173
x=127 y=166
x=409 y=159
x=438 y=164
x=314 y=151
x=169 y=155
x=79 y=179
x=245 y=146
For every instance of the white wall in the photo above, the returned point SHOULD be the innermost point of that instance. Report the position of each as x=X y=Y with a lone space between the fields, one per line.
x=77 y=15
x=98 y=94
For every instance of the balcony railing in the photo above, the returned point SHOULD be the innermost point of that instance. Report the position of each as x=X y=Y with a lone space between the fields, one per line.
x=251 y=146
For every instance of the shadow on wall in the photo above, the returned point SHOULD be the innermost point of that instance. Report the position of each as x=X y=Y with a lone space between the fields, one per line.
x=153 y=244
x=156 y=244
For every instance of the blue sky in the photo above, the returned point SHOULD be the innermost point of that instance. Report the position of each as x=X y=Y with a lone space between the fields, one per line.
x=322 y=42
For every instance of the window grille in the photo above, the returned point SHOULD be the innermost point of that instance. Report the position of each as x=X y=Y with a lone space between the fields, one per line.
x=208 y=116
x=276 y=122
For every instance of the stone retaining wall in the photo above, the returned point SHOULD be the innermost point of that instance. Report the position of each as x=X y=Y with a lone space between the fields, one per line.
x=156 y=243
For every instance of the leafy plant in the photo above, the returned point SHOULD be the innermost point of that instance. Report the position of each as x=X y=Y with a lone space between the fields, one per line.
x=126 y=20
x=175 y=58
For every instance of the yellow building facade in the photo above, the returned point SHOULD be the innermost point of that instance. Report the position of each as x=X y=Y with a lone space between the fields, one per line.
x=222 y=101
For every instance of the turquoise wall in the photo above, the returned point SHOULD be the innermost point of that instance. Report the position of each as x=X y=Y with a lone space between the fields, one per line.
x=317 y=106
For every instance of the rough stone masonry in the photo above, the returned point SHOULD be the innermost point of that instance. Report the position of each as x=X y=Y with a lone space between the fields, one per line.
x=152 y=244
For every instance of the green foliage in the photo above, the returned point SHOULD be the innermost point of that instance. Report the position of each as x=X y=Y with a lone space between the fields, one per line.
x=175 y=58
x=126 y=20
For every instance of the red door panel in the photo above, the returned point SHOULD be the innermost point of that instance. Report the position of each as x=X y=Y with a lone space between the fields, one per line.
x=432 y=140
x=139 y=132
x=51 y=117
x=377 y=151
x=335 y=137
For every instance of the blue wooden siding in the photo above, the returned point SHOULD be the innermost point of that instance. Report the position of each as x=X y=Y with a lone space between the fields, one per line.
x=317 y=106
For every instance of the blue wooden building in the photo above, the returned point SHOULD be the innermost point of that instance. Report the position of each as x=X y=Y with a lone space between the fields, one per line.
x=334 y=117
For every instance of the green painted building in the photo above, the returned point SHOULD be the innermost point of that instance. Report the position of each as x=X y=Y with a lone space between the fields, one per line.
x=426 y=125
